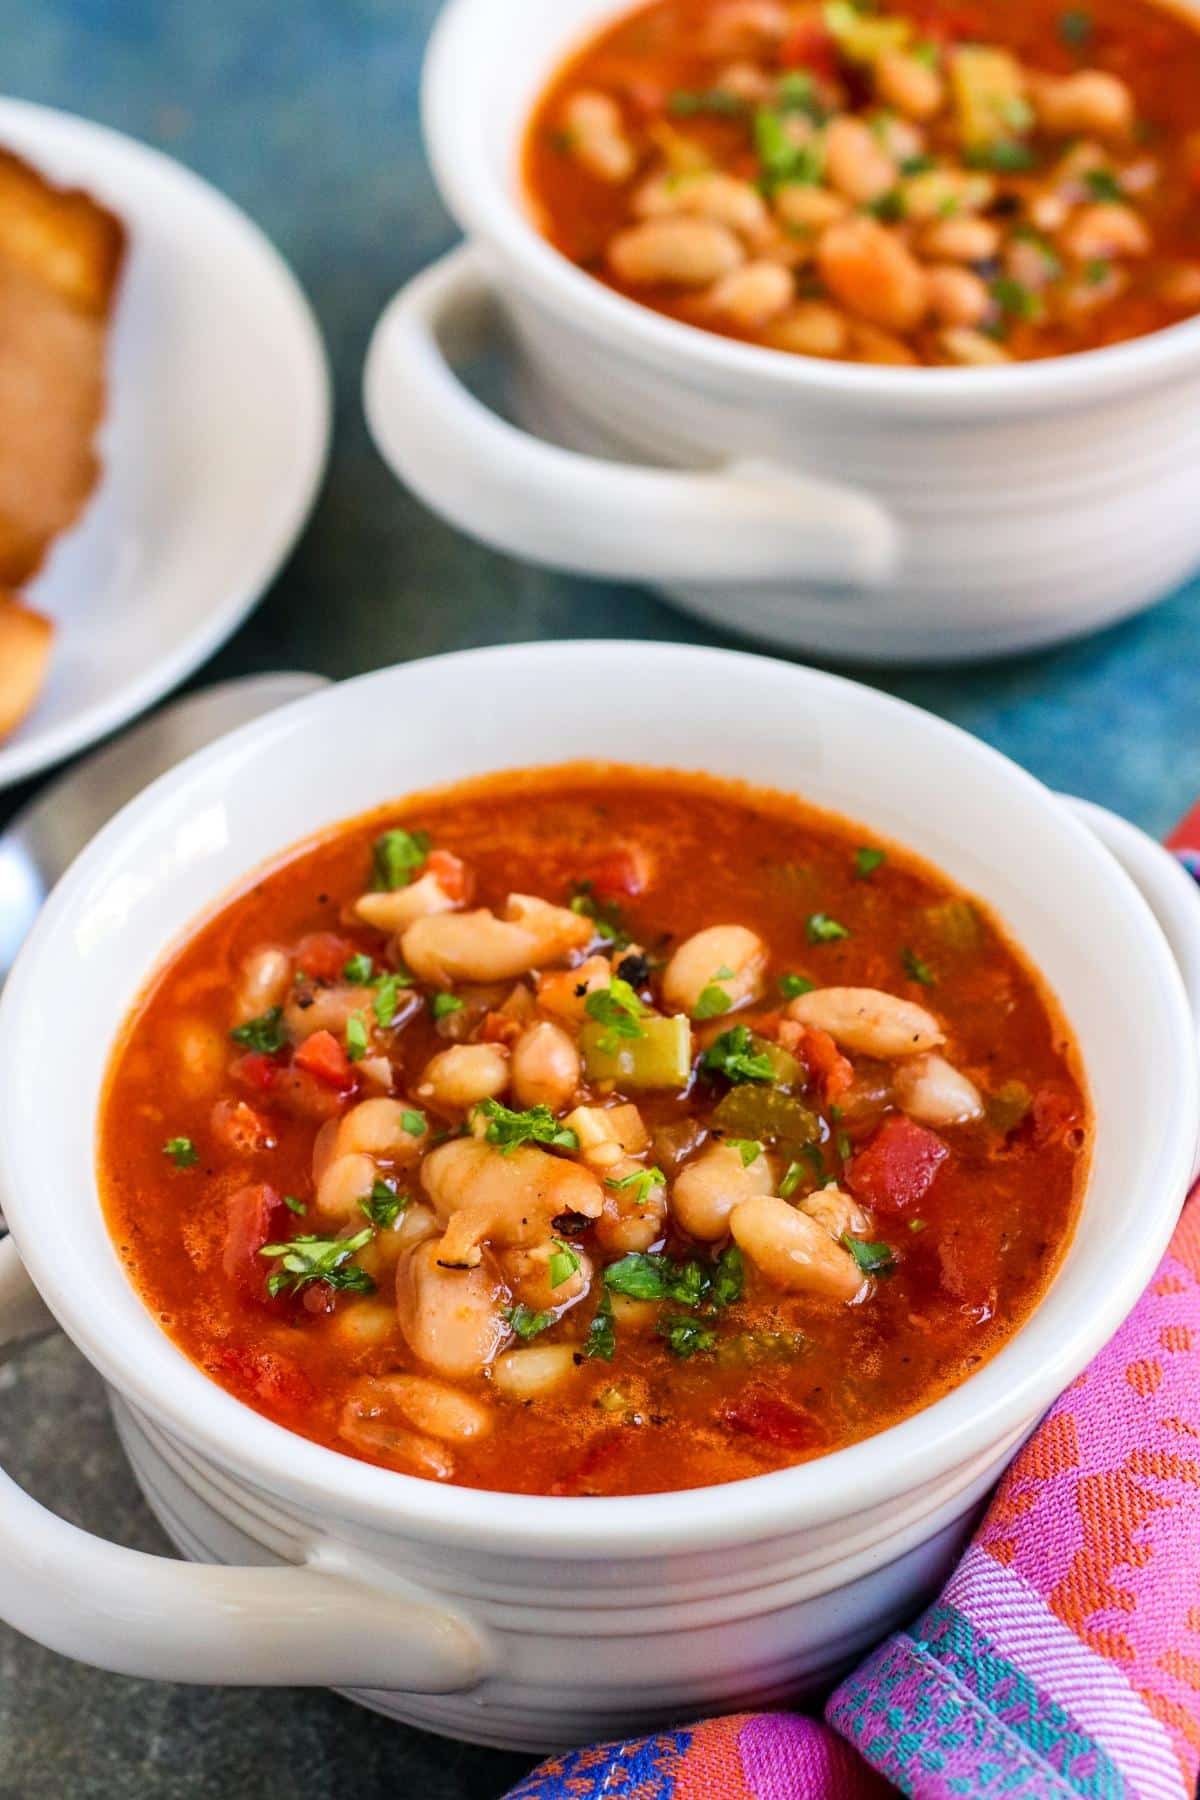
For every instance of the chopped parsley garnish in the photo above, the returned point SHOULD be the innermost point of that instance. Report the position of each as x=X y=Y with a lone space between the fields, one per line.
x=397 y=856
x=1097 y=271
x=357 y=1037
x=821 y=929
x=294 y=1205
x=617 y=1007
x=413 y=1122
x=686 y=104
x=601 y=1340
x=714 y=1000
x=780 y=158
x=749 y=1149
x=605 y=918
x=182 y=1152
x=685 y=1337
x=1075 y=27
x=917 y=165
x=443 y=1004
x=563 y=1262
x=792 y=986
x=265 y=1034
x=640 y=1182
x=796 y=92
x=889 y=207
x=867 y=859
x=359 y=969
x=915 y=968
x=383 y=1205
x=310 y=1259
x=648 y=1275
x=1015 y=300
x=537 y=1125
x=872 y=1259
x=729 y=1277
x=527 y=1323
x=1007 y=157
x=1104 y=185
x=845 y=1148
x=792 y=1177
x=387 y=996
x=736 y=1055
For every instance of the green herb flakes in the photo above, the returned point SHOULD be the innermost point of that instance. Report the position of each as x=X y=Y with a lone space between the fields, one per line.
x=618 y=1008
x=442 y=1005
x=872 y=1259
x=713 y=1001
x=686 y=1337
x=527 y=1323
x=867 y=859
x=729 y=1277
x=749 y=1149
x=536 y=1126
x=737 y=1055
x=821 y=929
x=792 y=986
x=359 y=969
x=564 y=1262
x=414 y=1123
x=601 y=1340
x=1075 y=27
x=396 y=857
x=641 y=1183
x=383 y=1205
x=915 y=968
x=265 y=1034
x=293 y=1205
x=182 y=1152
x=357 y=1036
x=387 y=996
x=306 y=1260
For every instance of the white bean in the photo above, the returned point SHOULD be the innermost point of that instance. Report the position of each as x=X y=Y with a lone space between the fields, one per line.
x=367 y=1428
x=536 y=1370
x=856 y=164
x=565 y=992
x=307 y=1010
x=606 y=1133
x=1090 y=101
x=203 y=1054
x=531 y=1274
x=634 y=1216
x=963 y=345
x=836 y=1213
x=596 y=136
x=707 y=1189
x=464 y=1075
x=452 y=1318
x=346 y=1182
x=811 y=329
x=722 y=962
x=509 y=1199
x=957 y=296
x=913 y=87
x=545 y=1067
x=435 y=1408
x=396 y=910
x=868 y=1021
x=753 y=295
x=808 y=209
x=711 y=195
x=681 y=251
x=873 y=274
x=792 y=1251
x=931 y=1090
x=264 y=980
x=960 y=240
x=377 y=1128
x=946 y=193
x=1096 y=232
x=478 y=946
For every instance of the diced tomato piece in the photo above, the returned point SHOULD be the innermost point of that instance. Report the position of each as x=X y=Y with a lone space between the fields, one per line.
x=621 y=873
x=769 y=1420
x=451 y=873
x=322 y=955
x=499 y=1028
x=241 y=1129
x=832 y=1072
x=810 y=46
x=304 y=1096
x=254 y=1215
x=1055 y=1115
x=256 y=1071
x=274 y=1379
x=321 y=1055
x=896 y=1168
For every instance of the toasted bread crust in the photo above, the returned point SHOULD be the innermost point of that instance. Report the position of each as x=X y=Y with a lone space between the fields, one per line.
x=61 y=236
x=25 y=640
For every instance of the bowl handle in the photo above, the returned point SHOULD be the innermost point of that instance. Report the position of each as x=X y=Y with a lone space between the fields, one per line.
x=744 y=521
x=312 y=1626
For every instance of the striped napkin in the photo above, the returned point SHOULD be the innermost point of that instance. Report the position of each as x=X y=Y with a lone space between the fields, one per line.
x=1061 y=1662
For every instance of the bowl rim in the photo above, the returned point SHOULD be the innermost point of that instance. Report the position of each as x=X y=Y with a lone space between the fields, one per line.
x=970 y=1424
x=474 y=187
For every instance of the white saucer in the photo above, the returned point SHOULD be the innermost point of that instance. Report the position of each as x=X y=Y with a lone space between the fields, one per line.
x=213 y=448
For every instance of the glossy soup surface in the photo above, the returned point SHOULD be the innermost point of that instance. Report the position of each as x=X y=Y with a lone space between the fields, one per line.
x=760 y=1220
x=945 y=182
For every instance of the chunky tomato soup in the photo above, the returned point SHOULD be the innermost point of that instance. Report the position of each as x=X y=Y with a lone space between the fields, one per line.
x=593 y=1131
x=938 y=182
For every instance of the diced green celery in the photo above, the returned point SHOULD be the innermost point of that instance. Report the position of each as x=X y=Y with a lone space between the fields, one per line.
x=862 y=38
x=763 y=1113
x=659 y=1057
x=788 y=1072
x=989 y=96
x=1008 y=1105
x=956 y=923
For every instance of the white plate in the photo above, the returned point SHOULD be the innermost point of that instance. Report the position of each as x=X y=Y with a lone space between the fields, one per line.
x=213 y=447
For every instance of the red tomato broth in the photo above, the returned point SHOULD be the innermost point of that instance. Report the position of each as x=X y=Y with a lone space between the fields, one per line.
x=791 y=1376
x=657 y=51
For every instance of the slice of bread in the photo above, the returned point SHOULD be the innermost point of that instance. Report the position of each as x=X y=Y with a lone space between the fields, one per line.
x=25 y=640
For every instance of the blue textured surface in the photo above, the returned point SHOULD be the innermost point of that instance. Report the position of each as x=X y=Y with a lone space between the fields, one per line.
x=305 y=114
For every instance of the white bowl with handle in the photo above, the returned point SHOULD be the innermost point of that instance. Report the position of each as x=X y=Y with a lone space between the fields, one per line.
x=886 y=514
x=515 y=1620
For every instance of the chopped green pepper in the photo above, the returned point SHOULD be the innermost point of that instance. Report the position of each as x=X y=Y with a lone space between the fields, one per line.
x=766 y=1114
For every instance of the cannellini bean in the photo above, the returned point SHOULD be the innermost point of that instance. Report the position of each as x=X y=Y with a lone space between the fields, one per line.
x=377 y=1128
x=596 y=135
x=1031 y=262
x=792 y=1251
x=536 y=1370
x=434 y=1408
x=478 y=946
x=963 y=345
x=633 y=1315
x=1048 y=211
x=808 y=209
x=946 y=193
x=364 y=1325
x=900 y=138
x=322 y=1009
x=910 y=85
x=415 y=1224
x=960 y=240
x=745 y=80
x=1089 y=101
x=366 y=1427
x=707 y=1189
x=464 y=1075
x=742 y=26
x=710 y=195
x=1179 y=284
x=530 y=1274
x=508 y=1198
x=1109 y=229
x=871 y=345
x=811 y=329
x=346 y=1182
x=452 y=1318
x=607 y=1133
x=686 y=252
x=263 y=982
x=753 y=295
x=203 y=1054
x=565 y=993
x=856 y=164
x=872 y=273
x=836 y=1213
x=957 y=296
x=868 y=1021
x=634 y=1216
x=396 y=911
x=932 y=1091
x=545 y=1067
x=724 y=960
